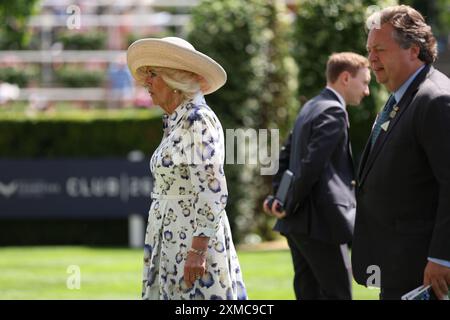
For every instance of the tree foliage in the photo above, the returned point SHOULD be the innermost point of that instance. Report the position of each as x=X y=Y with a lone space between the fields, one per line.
x=322 y=28
x=250 y=39
x=14 y=33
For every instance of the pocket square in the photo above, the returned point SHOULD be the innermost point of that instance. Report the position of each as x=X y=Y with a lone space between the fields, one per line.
x=385 y=125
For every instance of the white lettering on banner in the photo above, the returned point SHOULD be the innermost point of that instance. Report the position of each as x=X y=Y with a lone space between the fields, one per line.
x=28 y=188
x=8 y=189
x=112 y=187
x=94 y=187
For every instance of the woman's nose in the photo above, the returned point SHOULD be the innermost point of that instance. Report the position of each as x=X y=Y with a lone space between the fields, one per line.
x=148 y=79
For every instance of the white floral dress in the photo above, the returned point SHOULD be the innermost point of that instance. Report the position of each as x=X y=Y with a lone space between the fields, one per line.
x=189 y=198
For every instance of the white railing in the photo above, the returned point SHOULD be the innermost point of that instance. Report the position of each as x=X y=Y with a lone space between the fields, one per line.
x=63 y=94
x=121 y=3
x=70 y=56
x=162 y=19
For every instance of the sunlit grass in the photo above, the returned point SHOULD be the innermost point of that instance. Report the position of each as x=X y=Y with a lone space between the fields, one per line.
x=19 y=111
x=115 y=273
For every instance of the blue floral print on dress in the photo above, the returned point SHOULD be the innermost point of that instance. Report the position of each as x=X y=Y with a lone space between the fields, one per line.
x=189 y=199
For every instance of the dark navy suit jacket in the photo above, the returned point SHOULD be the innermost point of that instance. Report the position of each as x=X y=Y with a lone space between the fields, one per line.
x=403 y=193
x=321 y=200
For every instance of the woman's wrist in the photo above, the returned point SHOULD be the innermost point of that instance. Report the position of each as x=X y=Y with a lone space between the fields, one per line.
x=199 y=245
x=198 y=252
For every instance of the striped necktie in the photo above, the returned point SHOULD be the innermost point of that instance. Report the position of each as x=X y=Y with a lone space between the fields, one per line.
x=382 y=118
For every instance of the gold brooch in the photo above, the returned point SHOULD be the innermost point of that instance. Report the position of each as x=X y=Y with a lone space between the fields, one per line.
x=393 y=112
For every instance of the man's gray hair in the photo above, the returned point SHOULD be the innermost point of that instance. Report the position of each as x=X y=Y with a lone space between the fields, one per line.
x=409 y=28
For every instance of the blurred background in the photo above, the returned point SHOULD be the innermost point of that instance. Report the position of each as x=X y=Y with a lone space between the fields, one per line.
x=76 y=133
x=66 y=93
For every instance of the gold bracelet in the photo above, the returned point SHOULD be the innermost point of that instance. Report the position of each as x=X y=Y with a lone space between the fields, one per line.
x=201 y=253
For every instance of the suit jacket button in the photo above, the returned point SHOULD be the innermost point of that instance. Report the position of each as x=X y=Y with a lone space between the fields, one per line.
x=353 y=183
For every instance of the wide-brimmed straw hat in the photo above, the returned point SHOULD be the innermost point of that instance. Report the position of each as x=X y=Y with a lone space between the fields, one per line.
x=175 y=53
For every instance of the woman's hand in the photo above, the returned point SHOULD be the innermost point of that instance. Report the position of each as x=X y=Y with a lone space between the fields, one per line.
x=195 y=264
x=194 y=268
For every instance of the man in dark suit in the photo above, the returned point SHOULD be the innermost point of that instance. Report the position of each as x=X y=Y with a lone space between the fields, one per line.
x=402 y=226
x=319 y=212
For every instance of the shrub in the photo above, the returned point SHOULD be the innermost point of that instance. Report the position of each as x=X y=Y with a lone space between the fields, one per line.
x=250 y=40
x=322 y=28
x=83 y=41
x=78 y=78
x=79 y=134
x=14 y=33
x=15 y=76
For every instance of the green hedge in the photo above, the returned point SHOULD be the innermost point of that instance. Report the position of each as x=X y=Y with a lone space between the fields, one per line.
x=74 y=134
x=16 y=76
x=78 y=78
x=83 y=41
x=86 y=134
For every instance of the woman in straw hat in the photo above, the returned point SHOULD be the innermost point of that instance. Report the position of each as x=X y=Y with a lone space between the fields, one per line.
x=189 y=252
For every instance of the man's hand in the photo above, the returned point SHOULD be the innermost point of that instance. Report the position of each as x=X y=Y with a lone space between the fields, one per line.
x=439 y=277
x=267 y=205
x=275 y=210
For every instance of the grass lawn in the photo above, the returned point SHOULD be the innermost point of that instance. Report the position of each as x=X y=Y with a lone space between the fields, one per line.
x=115 y=273
x=269 y=275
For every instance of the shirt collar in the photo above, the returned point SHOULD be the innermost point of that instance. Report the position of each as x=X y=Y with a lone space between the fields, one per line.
x=398 y=94
x=342 y=105
x=171 y=120
x=340 y=98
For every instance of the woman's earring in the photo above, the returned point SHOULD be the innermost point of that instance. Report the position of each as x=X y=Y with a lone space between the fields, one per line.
x=175 y=91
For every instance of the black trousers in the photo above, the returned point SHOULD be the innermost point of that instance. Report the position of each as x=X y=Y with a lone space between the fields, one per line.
x=320 y=271
x=392 y=294
x=396 y=294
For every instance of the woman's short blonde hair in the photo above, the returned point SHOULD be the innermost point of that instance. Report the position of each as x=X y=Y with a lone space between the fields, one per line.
x=188 y=83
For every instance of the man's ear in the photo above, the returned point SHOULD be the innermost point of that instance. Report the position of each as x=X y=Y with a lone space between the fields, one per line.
x=344 y=77
x=414 y=52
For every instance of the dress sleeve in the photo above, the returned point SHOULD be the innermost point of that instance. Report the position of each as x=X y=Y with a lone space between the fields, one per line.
x=205 y=158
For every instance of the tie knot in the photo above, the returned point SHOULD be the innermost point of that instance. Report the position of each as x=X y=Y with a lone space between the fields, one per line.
x=383 y=118
x=390 y=104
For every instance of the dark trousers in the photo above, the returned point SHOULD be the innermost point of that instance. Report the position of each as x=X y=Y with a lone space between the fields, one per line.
x=392 y=294
x=396 y=294
x=320 y=271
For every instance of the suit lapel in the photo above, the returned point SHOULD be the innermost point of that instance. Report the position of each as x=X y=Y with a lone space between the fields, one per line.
x=363 y=160
x=370 y=154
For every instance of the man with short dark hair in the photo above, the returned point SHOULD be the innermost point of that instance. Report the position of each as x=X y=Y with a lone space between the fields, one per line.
x=319 y=212
x=403 y=194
